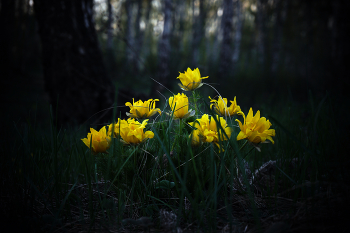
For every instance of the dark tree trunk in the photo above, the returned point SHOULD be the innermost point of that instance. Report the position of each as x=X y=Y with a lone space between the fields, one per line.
x=225 y=52
x=178 y=26
x=75 y=76
x=238 y=34
x=198 y=33
x=164 y=49
x=7 y=17
x=144 y=40
x=109 y=26
x=260 y=17
x=137 y=27
x=281 y=9
x=130 y=35
x=133 y=34
x=214 y=54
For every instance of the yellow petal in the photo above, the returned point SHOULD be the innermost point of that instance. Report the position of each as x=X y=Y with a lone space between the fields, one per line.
x=241 y=136
x=149 y=134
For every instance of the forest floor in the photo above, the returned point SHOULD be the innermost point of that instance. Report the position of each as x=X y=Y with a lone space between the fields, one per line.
x=326 y=210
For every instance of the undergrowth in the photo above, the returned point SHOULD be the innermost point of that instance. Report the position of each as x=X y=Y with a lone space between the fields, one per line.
x=167 y=184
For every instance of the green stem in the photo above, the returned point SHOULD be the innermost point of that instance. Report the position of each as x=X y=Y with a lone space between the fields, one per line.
x=136 y=155
x=248 y=152
x=177 y=135
x=243 y=145
x=180 y=127
x=195 y=101
x=240 y=149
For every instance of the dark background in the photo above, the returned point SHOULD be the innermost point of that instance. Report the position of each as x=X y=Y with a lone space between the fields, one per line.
x=73 y=54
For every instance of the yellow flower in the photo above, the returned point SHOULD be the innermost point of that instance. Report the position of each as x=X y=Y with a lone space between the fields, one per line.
x=255 y=129
x=142 y=110
x=196 y=138
x=100 y=140
x=131 y=131
x=179 y=105
x=207 y=130
x=191 y=80
x=117 y=127
x=220 y=106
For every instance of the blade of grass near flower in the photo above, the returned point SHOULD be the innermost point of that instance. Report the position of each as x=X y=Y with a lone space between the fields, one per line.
x=234 y=145
x=91 y=210
x=173 y=166
x=169 y=127
x=113 y=142
x=212 y=203
x=247 y=185
x=120 y=169
x=182 y=195
x=99 y=193
x=195 y=170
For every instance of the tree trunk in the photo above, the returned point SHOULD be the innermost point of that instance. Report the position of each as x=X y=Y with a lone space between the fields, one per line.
x=213 y=55
x=75 y=76
x=225 y=52
x=198 y=32
x=138 y=35
x=7 y=17
x=130 y=34
x=109 y=25
x=281 y=8
x=179 y=23
x=164 y=48
x=261 y=31
x=238 y=33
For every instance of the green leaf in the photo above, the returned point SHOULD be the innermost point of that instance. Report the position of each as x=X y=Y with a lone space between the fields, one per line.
x=165 y=184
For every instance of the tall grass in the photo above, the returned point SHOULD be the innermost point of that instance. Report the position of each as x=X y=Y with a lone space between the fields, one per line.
x=59 y=180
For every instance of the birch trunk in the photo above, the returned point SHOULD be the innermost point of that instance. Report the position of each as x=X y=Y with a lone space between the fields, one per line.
x=145 y=41
x=138 y=36
x=109 y=26
x=226 y=52
x=238 y=33
x=261 y=31
x=281 y=11
x=130 y=35
x=198 y=32
x=164 y=48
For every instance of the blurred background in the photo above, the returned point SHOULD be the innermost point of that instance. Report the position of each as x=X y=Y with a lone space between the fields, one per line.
x=74 y=55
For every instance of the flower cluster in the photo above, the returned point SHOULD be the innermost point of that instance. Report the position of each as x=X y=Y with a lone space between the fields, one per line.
x=206 y=129
x=131 y=131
